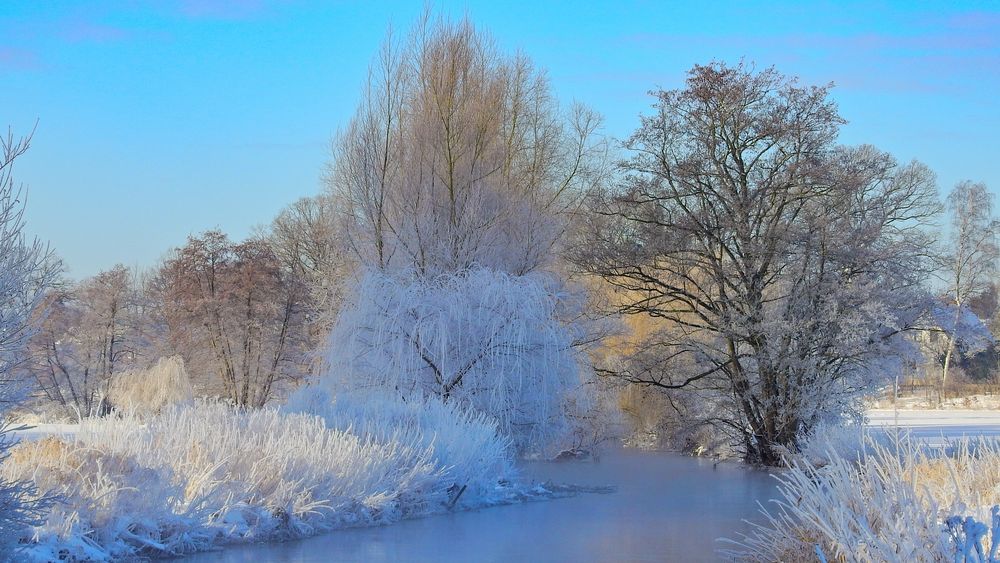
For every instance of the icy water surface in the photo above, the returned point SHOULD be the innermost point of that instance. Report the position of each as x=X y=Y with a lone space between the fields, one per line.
x=667 y=508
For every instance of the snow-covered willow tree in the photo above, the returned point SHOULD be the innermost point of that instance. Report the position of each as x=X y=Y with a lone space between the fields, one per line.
x=456 y=177
x=782 y=267
x=489 y=340
x=27 y=267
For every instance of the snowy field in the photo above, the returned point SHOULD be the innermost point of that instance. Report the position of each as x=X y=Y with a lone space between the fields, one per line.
x=937 y=426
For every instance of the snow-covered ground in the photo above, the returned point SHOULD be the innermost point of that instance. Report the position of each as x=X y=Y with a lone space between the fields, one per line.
x=981 y=401
x=952 y=423
x=36 y=431
x=937 y=426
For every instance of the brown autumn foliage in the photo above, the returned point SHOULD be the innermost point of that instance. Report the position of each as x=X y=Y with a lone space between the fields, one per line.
x=235 y=316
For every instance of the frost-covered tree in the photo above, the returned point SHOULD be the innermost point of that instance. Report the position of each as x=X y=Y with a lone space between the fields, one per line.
x=309 y=241
x=459 y=155
x=27 y=267
x=489 y=341
x=971 y=260
x=457 y=176
x=783 y=267
x=90 y=333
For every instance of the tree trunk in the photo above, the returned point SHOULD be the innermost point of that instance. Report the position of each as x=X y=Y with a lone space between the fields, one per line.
x=944 y=370
x=764 y=450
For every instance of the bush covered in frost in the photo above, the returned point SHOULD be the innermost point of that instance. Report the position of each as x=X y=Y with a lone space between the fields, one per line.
x=892 y=500
x=192 y=477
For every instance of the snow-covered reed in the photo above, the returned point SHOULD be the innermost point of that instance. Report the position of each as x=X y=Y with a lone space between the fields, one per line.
x=846 y=440
x=889 y=502
x=462 y=441
x=151 y=390
x=21 y=505
x=195 y=476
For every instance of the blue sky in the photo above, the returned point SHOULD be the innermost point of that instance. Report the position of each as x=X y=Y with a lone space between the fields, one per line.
x=159 y=119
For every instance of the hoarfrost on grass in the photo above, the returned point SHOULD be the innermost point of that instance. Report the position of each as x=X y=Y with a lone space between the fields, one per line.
x=193 y=477
x=151 y=390
x=881 y=499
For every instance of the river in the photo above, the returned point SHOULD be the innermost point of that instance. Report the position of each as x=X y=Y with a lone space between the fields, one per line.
x=666 y=507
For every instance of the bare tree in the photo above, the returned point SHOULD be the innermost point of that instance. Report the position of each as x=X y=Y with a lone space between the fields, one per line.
x=27 y=268
x=783 y=267
x=89 y=334
x=459 y=155
x=231 y=311
x=310 y=244
x=972 y=260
